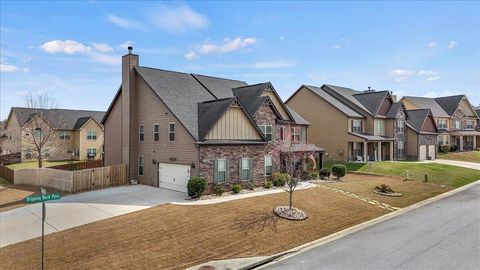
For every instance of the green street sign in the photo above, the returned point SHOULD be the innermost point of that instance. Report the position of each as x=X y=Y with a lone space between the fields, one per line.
x=42 y=198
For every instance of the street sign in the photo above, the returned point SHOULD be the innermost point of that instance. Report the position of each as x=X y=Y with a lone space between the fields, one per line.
x=42 y=198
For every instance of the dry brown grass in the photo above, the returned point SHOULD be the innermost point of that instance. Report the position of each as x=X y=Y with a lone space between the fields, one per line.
x=173 y=236
x=413 y=191
x=13 y=196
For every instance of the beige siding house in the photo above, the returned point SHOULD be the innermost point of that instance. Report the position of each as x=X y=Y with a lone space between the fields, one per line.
x=182 y=125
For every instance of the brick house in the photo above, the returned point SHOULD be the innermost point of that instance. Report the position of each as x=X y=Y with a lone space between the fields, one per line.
x=169 y=126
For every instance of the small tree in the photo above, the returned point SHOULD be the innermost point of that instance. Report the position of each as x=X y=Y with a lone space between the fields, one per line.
x=339 y=170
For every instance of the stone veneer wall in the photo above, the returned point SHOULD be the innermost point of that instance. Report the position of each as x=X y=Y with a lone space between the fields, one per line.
x=400 y=136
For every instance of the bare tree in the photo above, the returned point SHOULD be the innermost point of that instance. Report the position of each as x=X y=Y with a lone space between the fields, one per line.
x=40 y=130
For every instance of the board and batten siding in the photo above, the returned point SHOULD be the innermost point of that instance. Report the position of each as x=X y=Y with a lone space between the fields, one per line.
x=113 y=134
x=148 y=109
x=233 y=125
x=277 y=103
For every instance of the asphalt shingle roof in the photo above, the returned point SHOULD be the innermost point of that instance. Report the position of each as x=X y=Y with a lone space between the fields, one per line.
x=297 y=118
x=335 y=102
x=250 y=96
x=416 y=118
x=392 y=112
x=219 y=87
x=58 y=118
x=347 y=94
x=371 y=100
x=428 y=103
x=209 y=112
x=449 y=104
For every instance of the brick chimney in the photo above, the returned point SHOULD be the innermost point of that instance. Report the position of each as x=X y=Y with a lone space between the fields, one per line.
x=129 y=61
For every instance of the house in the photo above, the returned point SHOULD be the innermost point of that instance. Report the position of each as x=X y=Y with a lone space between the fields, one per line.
x=72 y=134
x=353 y=125
x=169 y=126
x=422 y=135
x=455 y=117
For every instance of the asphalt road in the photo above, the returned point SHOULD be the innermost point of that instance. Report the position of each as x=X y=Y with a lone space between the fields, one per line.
x=441 y=235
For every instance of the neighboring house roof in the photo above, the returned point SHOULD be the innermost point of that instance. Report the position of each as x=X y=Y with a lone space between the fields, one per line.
x=449 y=104
x=347 y=94
x=372 y=100
x=334 y=102
x=428 y=103
x=219 y=87
x=393 y=111
x=416 y=119
x=297 y=118
x=304 y=147
x=370 y=137
x=58 y=118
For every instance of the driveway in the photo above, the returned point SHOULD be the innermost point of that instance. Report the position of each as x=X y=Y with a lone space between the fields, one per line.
x=470 y=165
x=24 y=223
x=441 y=235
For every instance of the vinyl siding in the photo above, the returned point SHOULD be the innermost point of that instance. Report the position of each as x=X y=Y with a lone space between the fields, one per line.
x=113 y=134
x=233 y=125
x=91 y=125
x=277 y=103
x=412 y=145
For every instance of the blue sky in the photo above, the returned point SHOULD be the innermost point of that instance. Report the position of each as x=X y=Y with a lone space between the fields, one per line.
x=73 y=49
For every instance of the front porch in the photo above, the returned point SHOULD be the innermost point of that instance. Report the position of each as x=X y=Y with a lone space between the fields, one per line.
x=370 y=151
x=465 y=141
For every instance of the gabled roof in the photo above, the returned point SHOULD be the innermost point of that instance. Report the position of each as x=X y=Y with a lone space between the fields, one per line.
x=416 y=119
x=347 y=95
x=219 y=87
x=250 y=96
x=372 y=100
x=393 y=111
x=450 y=104
x=62 y=119
x=428 y=103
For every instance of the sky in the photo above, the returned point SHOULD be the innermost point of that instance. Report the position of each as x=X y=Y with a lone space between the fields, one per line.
x=73 y=50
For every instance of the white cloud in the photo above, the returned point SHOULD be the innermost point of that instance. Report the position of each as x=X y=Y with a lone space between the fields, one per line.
x=282 y=63
x=452 y=44
x=432 y=44
x=228 y=45
x=336 y=46
x=400 y=75
x=431 y=75
x=105 y=58
x=190 y=56
x=282 y=38
x=102 y=47
x=177 y=19
x=124 y=23
x=8 y=68
x=65 y=46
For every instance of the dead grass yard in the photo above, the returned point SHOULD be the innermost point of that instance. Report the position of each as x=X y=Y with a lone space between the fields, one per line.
x=413 y=191
x=175 y=237
x=13 y=196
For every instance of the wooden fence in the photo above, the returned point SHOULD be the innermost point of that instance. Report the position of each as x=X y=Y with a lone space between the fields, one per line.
x=73 y=181
x=7 y=173
x=79 y=165
x=8 y=159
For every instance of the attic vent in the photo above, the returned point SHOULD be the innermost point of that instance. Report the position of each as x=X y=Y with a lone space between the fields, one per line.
x=369 y=90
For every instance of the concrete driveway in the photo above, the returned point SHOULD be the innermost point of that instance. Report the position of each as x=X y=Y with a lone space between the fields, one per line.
x=469 y=165
x=24 y=223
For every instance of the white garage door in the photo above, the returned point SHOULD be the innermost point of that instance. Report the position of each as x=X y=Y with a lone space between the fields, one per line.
x=173 y=176
x=422 y=152
x=431 y=151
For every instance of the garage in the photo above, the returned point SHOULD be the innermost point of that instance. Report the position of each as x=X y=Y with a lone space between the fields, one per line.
x=173 y=176
x=422 y=152
x=431 y=151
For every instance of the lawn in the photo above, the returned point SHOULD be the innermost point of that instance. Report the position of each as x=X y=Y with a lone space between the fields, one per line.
x=13 y=196
x=175 y=237
x=413 y=191
x=34 y=164
x=471 y=156
x=440 y=174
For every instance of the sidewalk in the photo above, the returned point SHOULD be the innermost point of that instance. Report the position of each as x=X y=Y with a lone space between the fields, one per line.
x=469 y=165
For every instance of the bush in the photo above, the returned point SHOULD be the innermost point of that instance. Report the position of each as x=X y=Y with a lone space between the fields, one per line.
x=219 y=190
x=339 y=170
x=267 y=184
x=324 y=173
x=236 y=188
x=445 y=148
x=196 y=186
x=251 y=186
x=304 y=176
x=384 y=189
x=314 y=175
x=279 y=179
x=453 y=148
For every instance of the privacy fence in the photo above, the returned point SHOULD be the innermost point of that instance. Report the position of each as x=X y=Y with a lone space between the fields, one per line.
x=79 y=165
x=73 y=181
x=8 y=159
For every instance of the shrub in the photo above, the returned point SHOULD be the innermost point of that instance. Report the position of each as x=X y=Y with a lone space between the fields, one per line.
x=219 y=190
x=267 y=184
x=236 y=188
x=251 y=186
x=445 y=148
x=279 y=179
x=339 y=170
x=196 y=186
x=304 y=176
x=314 y=175
x=453 y=148
x=384 y=189
x=324 y=173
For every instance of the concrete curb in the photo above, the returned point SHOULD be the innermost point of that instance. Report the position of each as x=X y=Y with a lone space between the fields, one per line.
x=329 y=238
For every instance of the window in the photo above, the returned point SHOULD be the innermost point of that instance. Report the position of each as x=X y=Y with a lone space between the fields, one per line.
x=268 y=165
x=76 y=152
x=28 y=153
x=171 y=132
x=221 y=170
x=91 y=135
x=140 y=165
x=282 y=133
x=400 y=126
x=37 y=133
x=64 y=135
x=442 y=123
x=470 y=124
x=357 y=126
x=458 y=124
x=400 y=148
x=296 y=134
x=267 y=131
x=245 y=168
x=156 y=132
x=91 y=152
x=357 y=149
x=379 y=127
x=141 y=132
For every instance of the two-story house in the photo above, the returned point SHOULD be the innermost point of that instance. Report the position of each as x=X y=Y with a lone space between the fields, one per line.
x=168 y=126
x=72 y=134
x=455 y=117
x=354 y=125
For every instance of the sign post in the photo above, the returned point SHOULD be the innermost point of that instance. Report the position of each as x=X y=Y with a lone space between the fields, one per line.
x=43 y=198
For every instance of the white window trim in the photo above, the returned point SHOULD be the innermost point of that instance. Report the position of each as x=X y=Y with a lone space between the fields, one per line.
x=170 y=132
x=154 y=132
x=141 y=132
x=265 y=165
x=400 y=126
x=90 y=134
x=264 y=128
x=355 y=126
x=242 y=169
x=294 y=134
x=442 y=123
x=357 y=146
x=224 y=170
x=138 y=165
x=473 y=124
x=90 y=148
x=282 y=133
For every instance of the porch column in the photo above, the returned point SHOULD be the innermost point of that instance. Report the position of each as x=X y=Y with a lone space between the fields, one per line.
x=474 y=142
x=461 y=143
x=379 y=151
x=391 y=150
x=365 y=146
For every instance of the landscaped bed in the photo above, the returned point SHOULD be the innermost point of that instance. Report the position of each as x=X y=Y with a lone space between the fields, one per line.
x=469 y=156
x=173 y=236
